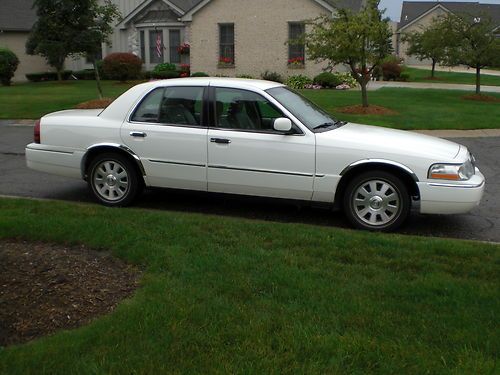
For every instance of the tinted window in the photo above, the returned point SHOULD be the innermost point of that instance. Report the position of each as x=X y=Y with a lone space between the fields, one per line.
x=244 y=110
x=149 y=109
x=172 y=105
x=181 y=106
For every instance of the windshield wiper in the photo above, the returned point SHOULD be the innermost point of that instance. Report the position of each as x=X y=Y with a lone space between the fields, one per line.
x=324 y=125
x=330 y=124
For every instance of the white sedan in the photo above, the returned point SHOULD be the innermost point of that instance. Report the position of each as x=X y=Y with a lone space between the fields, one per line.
x=253 y=137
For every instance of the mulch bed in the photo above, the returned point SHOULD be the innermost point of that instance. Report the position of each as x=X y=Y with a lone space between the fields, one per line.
x=95 y=104
x=482 y=98
x=370 y=110
x=45 y=288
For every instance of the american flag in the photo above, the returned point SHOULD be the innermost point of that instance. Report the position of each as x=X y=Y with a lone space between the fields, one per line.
x=159 y=44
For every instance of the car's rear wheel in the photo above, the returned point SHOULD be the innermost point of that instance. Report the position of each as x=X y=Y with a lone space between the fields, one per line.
x=113 y=180
x=377 y=200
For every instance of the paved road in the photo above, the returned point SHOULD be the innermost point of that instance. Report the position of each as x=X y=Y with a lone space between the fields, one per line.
x=483 y=223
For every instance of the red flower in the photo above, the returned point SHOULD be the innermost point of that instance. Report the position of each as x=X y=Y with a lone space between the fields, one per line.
x=225 y=60
x=184 y=49
x=296 y=61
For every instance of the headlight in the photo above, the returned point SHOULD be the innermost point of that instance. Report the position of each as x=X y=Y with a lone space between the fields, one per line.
x=457 y=172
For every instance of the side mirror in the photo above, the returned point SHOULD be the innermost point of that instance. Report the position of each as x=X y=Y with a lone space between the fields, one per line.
x=282 y=125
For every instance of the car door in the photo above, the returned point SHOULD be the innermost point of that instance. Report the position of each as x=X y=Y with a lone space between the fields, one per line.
x=245 y=154
x=168 y=132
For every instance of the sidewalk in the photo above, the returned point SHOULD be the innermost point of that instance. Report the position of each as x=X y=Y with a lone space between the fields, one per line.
x=457 y=69
x=376 y=85
x=17 y=122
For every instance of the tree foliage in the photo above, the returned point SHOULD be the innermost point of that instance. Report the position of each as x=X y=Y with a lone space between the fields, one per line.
x=70 y=27
x=359 y=40
x=430 y=43
x=8 y=65
x=471 y=42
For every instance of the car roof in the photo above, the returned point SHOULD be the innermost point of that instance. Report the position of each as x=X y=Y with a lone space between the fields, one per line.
x=217 y=81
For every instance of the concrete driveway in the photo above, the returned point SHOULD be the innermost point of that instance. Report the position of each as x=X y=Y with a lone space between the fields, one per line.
x=483 y=223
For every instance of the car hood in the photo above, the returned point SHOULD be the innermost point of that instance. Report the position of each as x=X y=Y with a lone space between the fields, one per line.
x=379 y=142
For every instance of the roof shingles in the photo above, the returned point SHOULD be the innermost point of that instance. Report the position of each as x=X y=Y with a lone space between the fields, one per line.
x=17 y=15
x=414 y=9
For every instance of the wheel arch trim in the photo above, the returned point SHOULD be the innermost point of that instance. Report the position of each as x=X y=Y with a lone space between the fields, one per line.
x=117 y=146
x=380 y=161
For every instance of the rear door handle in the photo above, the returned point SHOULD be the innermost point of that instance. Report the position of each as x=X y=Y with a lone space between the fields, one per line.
x=220 y=141
x=138 y=134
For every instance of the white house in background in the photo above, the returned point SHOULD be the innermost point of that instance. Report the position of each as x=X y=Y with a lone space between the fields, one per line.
x=227 y=37
x=16 y=20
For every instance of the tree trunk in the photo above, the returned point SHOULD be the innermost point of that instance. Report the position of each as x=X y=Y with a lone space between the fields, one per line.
x=97 y=79
x=478 y=80
x=433 y=68
x=59 y=74
x=364 y=92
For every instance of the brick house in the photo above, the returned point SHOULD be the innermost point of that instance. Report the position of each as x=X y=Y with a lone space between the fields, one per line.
x=249 y=35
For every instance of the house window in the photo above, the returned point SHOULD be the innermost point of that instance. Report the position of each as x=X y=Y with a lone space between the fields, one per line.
x=156 y=46
x=174 y=44
x=142 y=38
x=296 y=47
x=226 y=44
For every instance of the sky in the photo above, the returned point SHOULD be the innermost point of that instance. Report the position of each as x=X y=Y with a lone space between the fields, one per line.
x=394 y=6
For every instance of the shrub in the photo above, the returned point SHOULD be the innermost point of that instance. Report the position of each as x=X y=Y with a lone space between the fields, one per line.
x=327 y=80
x=8 y=65
x=167 y=74
x=404 y=77
x=347 y=79
x=84 y=75
x=48 y=76
x=272 y=76
x=122 y=66
x=165 y=67
x=391 y=71
x=298 y=82
x=200 y=74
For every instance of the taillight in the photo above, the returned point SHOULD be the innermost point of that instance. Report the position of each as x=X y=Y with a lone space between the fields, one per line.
x=36 y=136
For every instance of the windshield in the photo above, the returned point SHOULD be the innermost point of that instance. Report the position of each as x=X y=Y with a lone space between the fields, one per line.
x=306 y=111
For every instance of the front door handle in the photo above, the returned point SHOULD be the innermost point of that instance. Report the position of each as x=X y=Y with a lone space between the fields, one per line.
x=138 y=134
x=220 y=141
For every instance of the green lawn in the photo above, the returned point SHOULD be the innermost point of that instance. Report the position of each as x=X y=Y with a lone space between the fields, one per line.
x=417 y=109
x=234 y=296
x=422 y=75
x=33 y=100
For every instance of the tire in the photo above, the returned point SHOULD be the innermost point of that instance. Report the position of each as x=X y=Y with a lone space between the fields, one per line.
x=377 y=201
x=114 y=180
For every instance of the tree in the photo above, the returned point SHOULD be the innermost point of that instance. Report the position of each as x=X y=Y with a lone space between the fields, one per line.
x=471 y=42
x=70 y=27
x=94 y=30
x=428 y=44
x=359 y=40
x=52 y=34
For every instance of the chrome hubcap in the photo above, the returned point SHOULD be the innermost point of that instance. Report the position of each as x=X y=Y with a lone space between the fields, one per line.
x=376 y=202
x=110 y=180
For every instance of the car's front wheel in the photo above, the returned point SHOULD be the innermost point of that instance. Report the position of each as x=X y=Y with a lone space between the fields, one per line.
x=377 y=200
x=113 y=180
